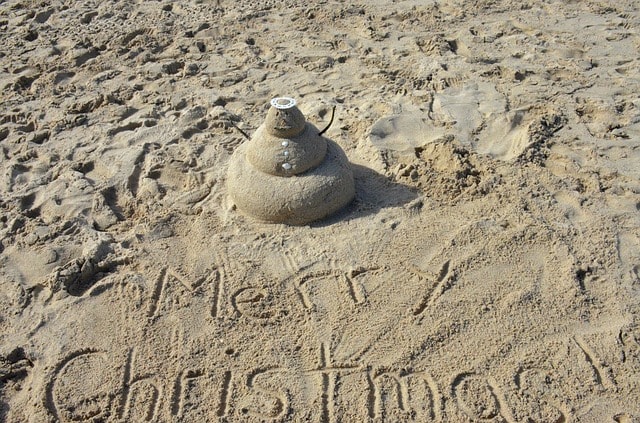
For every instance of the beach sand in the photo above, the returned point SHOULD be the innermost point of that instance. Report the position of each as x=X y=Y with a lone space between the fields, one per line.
x=487 y=270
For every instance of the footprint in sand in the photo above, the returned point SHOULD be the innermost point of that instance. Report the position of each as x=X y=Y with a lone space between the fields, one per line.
x=476 y=115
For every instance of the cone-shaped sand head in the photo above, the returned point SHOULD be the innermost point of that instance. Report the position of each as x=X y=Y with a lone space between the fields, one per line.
x=295 y=178
x=284 y=119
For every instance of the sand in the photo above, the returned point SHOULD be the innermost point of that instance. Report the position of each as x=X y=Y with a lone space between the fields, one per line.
x=288 y=172
x=487 y=270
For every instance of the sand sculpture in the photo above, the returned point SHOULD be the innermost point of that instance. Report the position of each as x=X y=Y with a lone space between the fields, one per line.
x=288 y=172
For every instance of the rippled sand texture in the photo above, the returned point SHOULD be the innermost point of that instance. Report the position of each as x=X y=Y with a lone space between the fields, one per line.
x=487 y=270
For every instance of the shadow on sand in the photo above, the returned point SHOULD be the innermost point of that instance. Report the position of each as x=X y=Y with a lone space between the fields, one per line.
x=374 y=192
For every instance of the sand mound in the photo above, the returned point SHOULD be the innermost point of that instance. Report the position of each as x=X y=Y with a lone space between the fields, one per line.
x=289 y=173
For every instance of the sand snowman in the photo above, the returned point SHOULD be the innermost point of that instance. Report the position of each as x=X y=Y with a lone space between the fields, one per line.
x=288 y=172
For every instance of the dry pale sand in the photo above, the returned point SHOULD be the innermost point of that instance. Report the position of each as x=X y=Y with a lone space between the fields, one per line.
x=488 y=269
